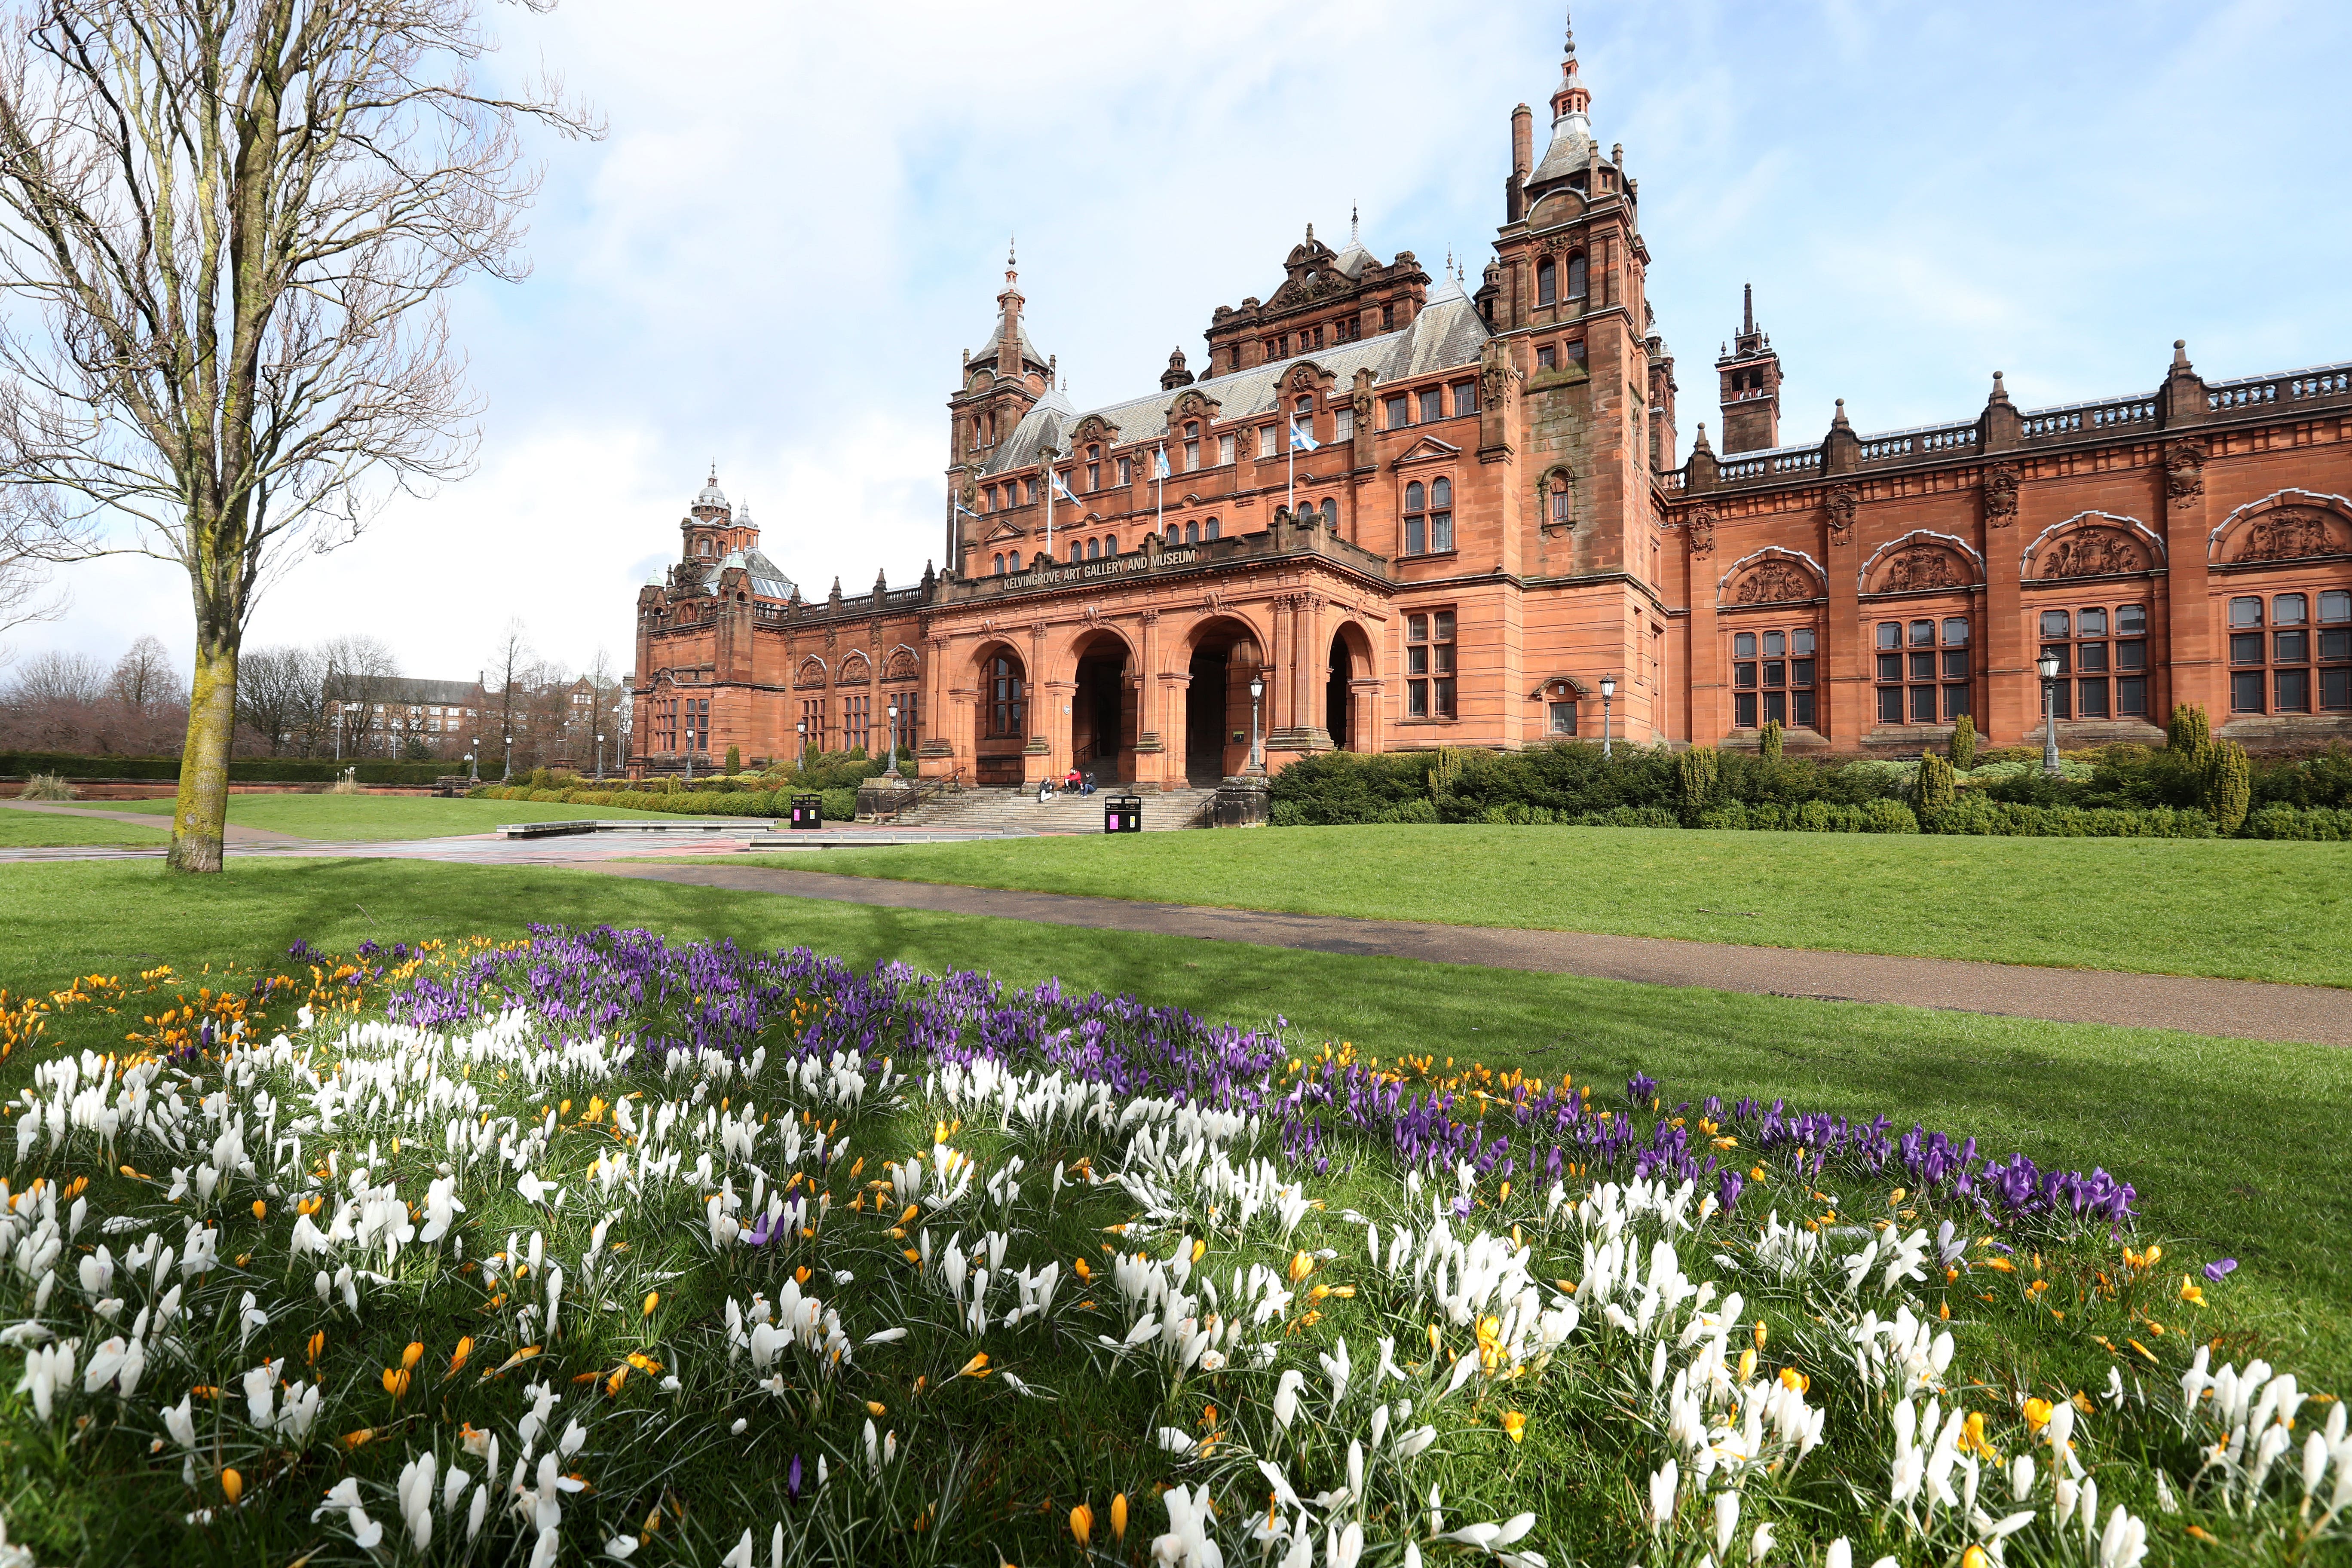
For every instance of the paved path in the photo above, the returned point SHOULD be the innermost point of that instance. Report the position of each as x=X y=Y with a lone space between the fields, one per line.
x=2244 y=1009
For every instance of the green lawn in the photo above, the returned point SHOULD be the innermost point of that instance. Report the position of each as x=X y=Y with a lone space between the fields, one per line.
x=354 y=819
x=2230 y=1143
x=46 y=829
x=2244 y=909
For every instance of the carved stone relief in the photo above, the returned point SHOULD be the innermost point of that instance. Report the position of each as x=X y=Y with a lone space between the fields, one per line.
x=1842 y=501
x=2092 y=552
x=2001 y=496
x=2184 y=472
x=1774 y=583
x=1916 y=571
x=2287 y=534
x=1700 y=526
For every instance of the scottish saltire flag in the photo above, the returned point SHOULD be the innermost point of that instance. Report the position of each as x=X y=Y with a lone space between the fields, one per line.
x=964 y=511
x=1300 y=438
x=1159 y=464
x=1062 y=489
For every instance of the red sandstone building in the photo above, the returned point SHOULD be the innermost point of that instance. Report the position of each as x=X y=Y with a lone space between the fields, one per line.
x=1419 y=513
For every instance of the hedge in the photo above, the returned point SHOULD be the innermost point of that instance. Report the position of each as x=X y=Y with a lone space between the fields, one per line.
x=1977 y=816
x=247 y=770
x=2331 y=824
x=1812 y=816
x=839 y=804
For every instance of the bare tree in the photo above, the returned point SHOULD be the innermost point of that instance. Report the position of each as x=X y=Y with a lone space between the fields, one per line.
x=27 y=526
x=144 y=678
x=357 y=676
x=238 y=221
x=514 y=669
x=280 y=697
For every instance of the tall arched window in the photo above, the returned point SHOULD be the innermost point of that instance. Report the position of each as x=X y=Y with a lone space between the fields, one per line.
x=1191 y=533
x=1000 y=563
x=1110 y=544
x=1209 y=529
x=1094 y=548
x=1077 y=551
x=1174 y=533
x=1014 y=560
x=1576 y=275
x=1441 y=515
x=1416 y=519
x=1546 y=282
x=1005 y=706
x=1330 y=513
x=1560 y=500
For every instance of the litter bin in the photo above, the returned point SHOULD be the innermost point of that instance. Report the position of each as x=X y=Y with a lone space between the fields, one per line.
x=1123 y=814
x=808 y=811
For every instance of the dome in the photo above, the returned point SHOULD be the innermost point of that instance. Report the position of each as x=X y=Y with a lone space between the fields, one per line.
x=712 y=494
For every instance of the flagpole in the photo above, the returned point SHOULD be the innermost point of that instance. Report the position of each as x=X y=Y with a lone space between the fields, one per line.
x=1047 y=464
x=1290 y=502
x=1160 y=493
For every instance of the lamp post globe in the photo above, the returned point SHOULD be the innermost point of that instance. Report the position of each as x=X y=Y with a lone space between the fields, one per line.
x=1608 y=697
x=1256 y=691
x=893 y=769
x=600 y=758
x=690 y=756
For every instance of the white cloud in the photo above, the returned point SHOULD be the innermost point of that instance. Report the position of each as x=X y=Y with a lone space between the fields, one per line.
x=798 y=218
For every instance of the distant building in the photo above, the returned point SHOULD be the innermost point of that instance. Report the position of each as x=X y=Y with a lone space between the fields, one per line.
x=1417 y=514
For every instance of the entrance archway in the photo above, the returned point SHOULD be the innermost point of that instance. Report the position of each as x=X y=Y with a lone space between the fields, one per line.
x=1102 y=712
x=1217 y=702
x=1351 y=660
x=1003 y=717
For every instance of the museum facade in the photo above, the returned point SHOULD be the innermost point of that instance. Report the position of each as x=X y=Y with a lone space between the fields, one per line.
x=1398 y=511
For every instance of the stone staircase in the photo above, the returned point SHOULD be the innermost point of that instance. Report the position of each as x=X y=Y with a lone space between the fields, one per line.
x=1016 y=810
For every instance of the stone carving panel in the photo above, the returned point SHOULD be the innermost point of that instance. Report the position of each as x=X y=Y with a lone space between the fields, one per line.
x=2001 y=496
x=2184 y=472
x=811 y=673
x=1920 y=570
x=855 y=671
x=1843 y=502
x=2290 y=533
x=903 y=664
x=2091 y=552
x=1700 y=526
x=1774 y=583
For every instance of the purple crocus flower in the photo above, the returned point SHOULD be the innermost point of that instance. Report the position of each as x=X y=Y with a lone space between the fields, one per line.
x=2221 y=1270
x=792 y=1478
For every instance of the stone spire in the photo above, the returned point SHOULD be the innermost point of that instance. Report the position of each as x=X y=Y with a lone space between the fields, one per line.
x=1572 y=97
x=1008 y=338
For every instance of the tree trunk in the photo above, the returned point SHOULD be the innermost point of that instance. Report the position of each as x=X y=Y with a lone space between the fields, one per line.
x=200 y=820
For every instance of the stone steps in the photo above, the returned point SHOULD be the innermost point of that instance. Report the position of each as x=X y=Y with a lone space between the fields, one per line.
x=1019 y=810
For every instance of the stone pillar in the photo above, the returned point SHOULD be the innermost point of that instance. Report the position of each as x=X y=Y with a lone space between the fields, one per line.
x=2011 y=690
x=1845 y=657
x=1150 y=749
x=2186 y=653
x=1709 y=713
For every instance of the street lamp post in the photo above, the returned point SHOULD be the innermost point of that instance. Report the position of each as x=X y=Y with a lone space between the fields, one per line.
x=893 y=769
x=1608 y=695
x=600 y=758
x=473 y=770
x=2048 y=665
x=690 y=756
x=506 y=759
x=803 y=729
x=1257 y=756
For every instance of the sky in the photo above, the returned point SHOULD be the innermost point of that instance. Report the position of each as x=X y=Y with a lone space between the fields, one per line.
x=799 y=216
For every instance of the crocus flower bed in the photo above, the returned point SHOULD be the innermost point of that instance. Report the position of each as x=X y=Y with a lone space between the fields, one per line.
x=602 y=1247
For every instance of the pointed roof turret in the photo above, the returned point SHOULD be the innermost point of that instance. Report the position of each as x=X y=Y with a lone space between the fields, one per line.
x=1008 y=347
x=1572 y=97
x=1572 y=149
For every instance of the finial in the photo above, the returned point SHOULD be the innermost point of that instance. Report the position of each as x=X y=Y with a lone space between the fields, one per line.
x=1570 y=17
x=1311 y=234
x=2180 y=354
x=1748 y=310
x=1999 y=391
x=1354 y=224
x=1840 y=423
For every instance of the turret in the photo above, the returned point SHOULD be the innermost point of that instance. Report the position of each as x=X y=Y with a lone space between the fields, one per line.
x=1749 y=375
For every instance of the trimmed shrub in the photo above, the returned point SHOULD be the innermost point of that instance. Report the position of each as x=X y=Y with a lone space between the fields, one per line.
x=1963 y=745
x=2229 y=785
x=1768 y=740
x=1696 y=780
x=2323 y=823
x=243 y=770
x=1931 y=789
x=1974 y=814
x=1336 y=788
x=734 y=759
x=840 y=805
x=2189 y=735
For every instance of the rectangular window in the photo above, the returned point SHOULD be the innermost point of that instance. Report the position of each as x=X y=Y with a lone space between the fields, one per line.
x=1890 y=705
x=2245 y=691
x=1923 y=705
x=2090 y=699
x=1094 y=476
x=1465 y=398
x=1224 y=450
x=1126 y=472
x=1399 y=412
x=1546 y=357
x=1956 y=702
x=1029 y=492
x=2131 y=696
x=1414 y=537
x=2336 y=689
x=1191 y=455
x=1933 y=671
x=1433 y=405
x=2294 y=689
x=1429 y=662
x=1265 y=441
x=1561 y=718
x=1343 y=422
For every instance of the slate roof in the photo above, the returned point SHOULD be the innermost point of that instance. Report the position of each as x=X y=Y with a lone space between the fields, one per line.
x=1448 y=332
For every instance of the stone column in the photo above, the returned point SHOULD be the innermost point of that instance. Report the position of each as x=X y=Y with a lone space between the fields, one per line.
x=1707 y=715
x=2185 y=654
x=1845 y=657
x=1151 y=748
x=2012 y=691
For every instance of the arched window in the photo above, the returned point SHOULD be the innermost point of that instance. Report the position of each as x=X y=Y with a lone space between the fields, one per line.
x=1330 y=513
x=1094 y=548
x=1005 y=706
x=1576 y=275
x=1000 y=563
x=1559 y=502
x=1077 y=551
x=1174 y=533
x=1416 y=519
x=1110 y=544
x=1546 y=283
x=1191 y=533
x=1441 y=515
x=1014 y=560
x=1209 y=529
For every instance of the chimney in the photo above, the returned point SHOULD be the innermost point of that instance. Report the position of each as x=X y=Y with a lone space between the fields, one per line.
x=1523 y=163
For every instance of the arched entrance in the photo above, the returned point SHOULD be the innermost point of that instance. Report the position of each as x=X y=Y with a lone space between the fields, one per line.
x=1102 y=712
x=1217 y=702
x=1003 y=717
x=1350 y=661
